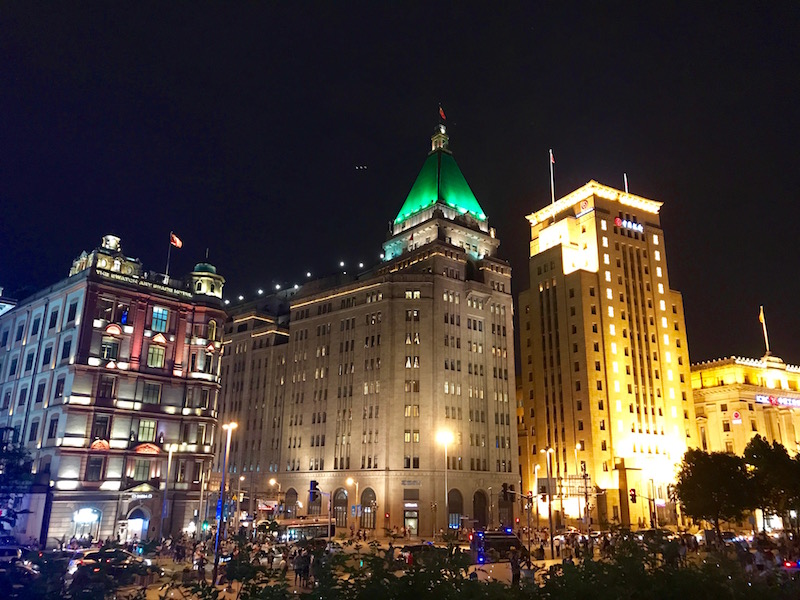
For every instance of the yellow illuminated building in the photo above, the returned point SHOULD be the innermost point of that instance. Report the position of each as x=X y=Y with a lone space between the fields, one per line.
x=736 y=398
x=605 y=365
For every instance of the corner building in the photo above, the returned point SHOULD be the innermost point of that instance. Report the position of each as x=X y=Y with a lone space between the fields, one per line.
x=109 y=378
x=606 y=382
x=737 y=398
x=378 y=364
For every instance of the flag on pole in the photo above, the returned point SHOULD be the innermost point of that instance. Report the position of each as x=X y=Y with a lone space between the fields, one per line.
x=552 y=158
x=175 y=240
x=761 y=315
x=441 y=113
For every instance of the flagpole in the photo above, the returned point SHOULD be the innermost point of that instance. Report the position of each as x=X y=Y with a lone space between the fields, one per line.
x=552 y=180
x=169 y=251
x=763 y=320
x=625 y=178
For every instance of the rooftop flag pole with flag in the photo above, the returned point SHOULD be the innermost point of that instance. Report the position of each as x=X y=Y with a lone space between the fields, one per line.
x=174 y=240
x=441 y=113
x=763 y=322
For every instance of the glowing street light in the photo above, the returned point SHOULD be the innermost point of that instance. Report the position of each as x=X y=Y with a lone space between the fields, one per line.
x=172 y=448
x=228 y=428
x=445 y=437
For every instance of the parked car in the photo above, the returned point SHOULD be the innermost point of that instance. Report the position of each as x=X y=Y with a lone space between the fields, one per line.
x=10 y=553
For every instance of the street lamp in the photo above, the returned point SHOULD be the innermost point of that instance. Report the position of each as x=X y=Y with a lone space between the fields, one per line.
x=536 y=493
x=172 y=448
x=239 y=500
x=228 y=428
x=351 y=481
x=547 y=452
x=445 y=438
x=577 y=473
x=274 y=482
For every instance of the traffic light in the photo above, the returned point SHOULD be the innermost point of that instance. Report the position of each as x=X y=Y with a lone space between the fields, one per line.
x=504 y=492
x=313 y=491
x=205 y=525
x=632 y=494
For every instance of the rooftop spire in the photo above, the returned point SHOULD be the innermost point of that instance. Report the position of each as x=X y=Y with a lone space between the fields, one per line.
x=440 y=140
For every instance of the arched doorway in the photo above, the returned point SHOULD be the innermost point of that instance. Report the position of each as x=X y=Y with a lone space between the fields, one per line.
x=290 y=508
x=369 y=506
x=455 y=505
x=340 y=508
x=480 y=510
x=138 y=523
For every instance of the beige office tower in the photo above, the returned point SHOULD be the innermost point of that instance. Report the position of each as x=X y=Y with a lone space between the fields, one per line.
x=605 y=363
x=394 y=384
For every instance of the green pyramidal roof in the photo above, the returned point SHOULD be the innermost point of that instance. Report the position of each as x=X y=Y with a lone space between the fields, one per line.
x=440 y=180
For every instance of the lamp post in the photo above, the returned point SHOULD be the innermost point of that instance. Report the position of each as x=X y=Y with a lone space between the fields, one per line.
x=445 y=438
x=274 y=482
x=547 y=452
x=239 y=501
x=578 y=447
x=228 y=428
x=172 y=448
x=536 y=493
x=351 y=481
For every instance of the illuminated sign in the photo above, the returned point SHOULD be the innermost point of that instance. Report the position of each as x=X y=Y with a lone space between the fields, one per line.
x=85 y=516
x=737 y=417
x=629 y=225
x=113 y=329
x=141 y=496
x=778 y=400
x=143 y=283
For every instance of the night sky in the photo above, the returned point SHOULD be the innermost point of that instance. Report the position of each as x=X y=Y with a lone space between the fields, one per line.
x=241 y=127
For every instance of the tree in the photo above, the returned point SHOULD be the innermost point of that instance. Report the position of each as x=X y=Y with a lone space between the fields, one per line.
x=15 y=482
x=714 y=486
x=771 y=469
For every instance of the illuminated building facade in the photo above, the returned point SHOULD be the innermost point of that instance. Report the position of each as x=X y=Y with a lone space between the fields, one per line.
x=110 y=378
x=605 y=367
x=736 y=398
x=376 y=365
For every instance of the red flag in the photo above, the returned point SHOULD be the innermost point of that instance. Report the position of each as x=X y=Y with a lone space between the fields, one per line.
x=175 y=240
x=552 y=158
x=441 y=114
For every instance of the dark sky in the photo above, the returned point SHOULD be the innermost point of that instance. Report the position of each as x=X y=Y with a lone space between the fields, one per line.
x=240 y=126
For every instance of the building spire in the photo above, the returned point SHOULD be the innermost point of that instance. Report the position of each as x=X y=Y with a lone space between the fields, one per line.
x=440 y=140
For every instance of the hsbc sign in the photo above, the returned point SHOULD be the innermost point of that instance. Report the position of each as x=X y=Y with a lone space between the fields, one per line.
x=778 y=401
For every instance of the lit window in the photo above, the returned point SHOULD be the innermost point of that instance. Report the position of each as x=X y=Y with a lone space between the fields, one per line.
x=658 y=271
x=657 y=255
x=616 y=386
x=611 y=311
x=663 y=321
x=603 y=224
x=109 y=348
x=655 y=240
x=666 y=340
x=660 y=288
x=609 y=294
x=605 y=242
x=160 y=318
x=155 y=356
x=606 y=260
x=612 y=329
x=615 y=367
x=613 y=347
x=662 y=305
x=608 y=275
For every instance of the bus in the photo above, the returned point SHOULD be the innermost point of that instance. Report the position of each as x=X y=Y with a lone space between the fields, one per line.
x=297 y=530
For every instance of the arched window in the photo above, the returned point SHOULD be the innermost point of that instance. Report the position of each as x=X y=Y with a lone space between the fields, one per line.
x=212 y=327
x=199 y=286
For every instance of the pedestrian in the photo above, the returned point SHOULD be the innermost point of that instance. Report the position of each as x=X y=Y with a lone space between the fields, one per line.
x=515 y=568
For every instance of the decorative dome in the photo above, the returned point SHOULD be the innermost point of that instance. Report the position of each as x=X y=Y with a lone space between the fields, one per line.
x=204 y=267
